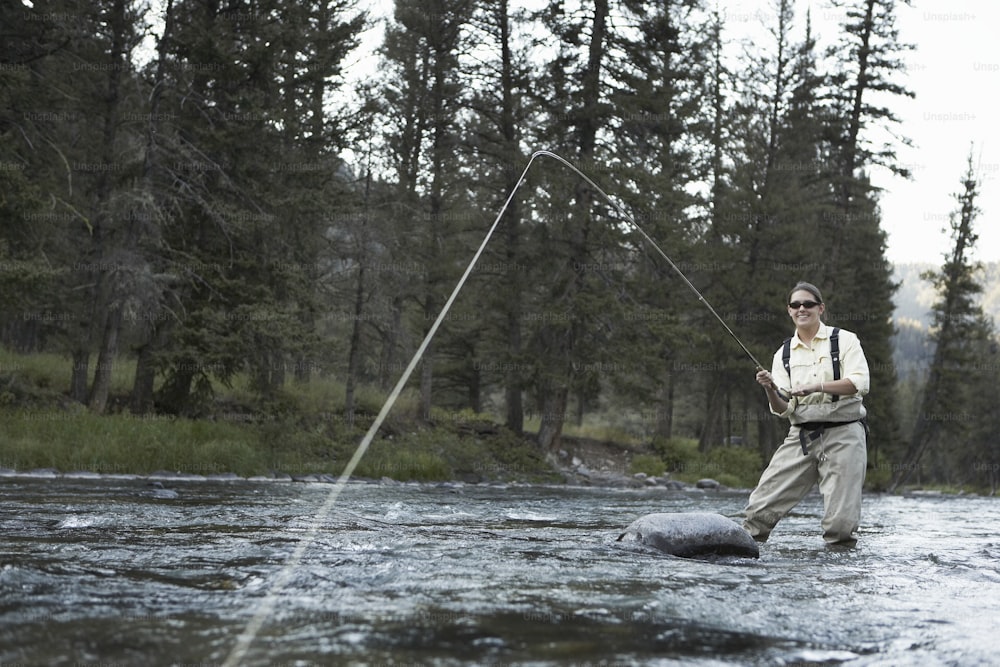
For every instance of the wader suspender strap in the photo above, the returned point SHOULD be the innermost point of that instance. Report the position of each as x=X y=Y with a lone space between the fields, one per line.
x=786 y=354
x=812 y=431
x=835 y=357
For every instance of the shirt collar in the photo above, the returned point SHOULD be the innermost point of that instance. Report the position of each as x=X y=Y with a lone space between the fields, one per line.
x=822 y=333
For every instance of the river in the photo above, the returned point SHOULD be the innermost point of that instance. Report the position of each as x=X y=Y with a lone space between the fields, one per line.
x=118 y=571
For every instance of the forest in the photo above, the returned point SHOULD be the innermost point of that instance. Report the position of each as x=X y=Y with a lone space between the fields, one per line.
x=199 y=189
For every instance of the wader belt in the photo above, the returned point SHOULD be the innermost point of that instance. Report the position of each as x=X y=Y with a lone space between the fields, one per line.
x=810 y=431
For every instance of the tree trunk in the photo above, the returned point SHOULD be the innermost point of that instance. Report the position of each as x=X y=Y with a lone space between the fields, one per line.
x=664 y=415
x=390 y=343
x=513 y=381
x=713 y=410
x=99 y=391
x=426 y=381
x=80 y=376
x=512 y=385
x=142 y=385
x=354 y=352
x=145 y=373
x=554 y=402
x=475 y=388
x=175 y=396
x=553 y=416
x=106 y=296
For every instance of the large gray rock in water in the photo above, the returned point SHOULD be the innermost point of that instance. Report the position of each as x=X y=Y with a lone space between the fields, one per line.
x=688 y=534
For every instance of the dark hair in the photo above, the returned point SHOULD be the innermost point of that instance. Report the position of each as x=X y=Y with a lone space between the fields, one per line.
x=808 y=287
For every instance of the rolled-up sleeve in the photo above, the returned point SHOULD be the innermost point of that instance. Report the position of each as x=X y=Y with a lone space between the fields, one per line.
x=854 y=363
x=782 y=379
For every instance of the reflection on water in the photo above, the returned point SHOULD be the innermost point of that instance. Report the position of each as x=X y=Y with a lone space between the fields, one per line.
x=117 y=571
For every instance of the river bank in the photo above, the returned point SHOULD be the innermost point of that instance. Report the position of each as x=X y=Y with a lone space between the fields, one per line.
x=603 y=465
x=304 y=430
x=303 y=433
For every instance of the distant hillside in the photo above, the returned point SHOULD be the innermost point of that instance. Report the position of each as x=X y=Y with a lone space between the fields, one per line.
x=916 y=296
x=912 y=351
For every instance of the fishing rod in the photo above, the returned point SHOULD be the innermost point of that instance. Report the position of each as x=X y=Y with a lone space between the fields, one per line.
x=628 y=218
x=266 y=605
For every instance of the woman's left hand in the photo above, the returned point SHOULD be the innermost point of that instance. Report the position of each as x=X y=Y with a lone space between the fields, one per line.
x=806 y=389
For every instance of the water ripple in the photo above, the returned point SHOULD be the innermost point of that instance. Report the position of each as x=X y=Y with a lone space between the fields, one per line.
x=96 y=570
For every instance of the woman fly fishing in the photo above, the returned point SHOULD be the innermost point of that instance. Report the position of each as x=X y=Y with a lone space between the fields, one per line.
x=826 y=443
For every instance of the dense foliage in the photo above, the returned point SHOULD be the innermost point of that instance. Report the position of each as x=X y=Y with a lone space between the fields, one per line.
x=202 y=191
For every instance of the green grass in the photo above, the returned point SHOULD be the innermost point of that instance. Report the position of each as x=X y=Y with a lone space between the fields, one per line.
x=48 y=371
x=650 y=464
x=736 y=467
x=81 y=441
x=301 y=430
x=594 y=427
x=72 y=441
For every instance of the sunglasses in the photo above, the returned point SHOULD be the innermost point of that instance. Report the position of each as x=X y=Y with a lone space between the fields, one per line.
x=795 y=305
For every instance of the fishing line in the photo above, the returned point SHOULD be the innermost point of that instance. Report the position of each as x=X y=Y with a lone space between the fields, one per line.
x=266 y=606
x=648 y=238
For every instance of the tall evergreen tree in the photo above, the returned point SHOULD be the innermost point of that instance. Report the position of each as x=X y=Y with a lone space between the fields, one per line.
x=34 y=212
x=115 y=240
x=77 y=90
x=868 y=59
x=570 y=324
x=660 y=133
x=979 y=459
x=423 y=106
x=496 y=134
x=958 y=323
x=248 y=173
x=777 y=195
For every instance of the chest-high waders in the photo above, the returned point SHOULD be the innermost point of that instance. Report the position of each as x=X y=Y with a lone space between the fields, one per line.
x=811 y=431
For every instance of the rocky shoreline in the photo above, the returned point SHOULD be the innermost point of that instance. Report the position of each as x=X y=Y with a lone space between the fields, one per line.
x=579 y=462
x=579 y=473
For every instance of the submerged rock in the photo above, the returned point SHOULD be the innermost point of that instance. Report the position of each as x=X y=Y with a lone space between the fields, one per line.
x=689 y=534
x=157 y=490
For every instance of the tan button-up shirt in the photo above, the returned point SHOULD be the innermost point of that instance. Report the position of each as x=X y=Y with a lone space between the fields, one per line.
x=812 y=364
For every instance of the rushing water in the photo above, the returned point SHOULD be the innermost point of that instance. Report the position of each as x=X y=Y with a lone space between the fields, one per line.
x=115 y=571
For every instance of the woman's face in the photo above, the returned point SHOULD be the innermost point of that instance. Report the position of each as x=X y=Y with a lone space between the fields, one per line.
x=802 y=315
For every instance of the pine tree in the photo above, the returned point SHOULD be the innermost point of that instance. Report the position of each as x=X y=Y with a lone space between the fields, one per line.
x=855 y=271
x=958 y=322
x=562 y=345
x=30 y=263
x=76 y=91
x=771 y=209
x=496 y=133
x=248 y=166
x=115 y=240
x=660 y=133
x=423 y=106
x=979 y=460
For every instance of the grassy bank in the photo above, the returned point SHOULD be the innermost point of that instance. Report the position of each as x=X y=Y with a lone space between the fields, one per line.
x=302 y=430
x=735 y=467
x=77 y=440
